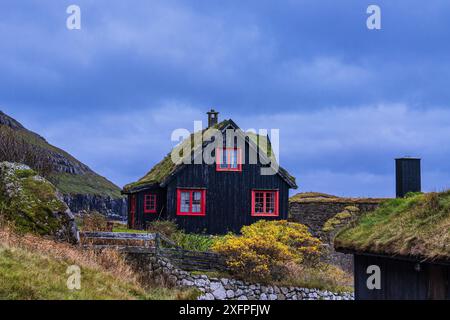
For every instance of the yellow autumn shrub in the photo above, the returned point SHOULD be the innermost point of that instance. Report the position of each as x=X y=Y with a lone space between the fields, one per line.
x=265 y=248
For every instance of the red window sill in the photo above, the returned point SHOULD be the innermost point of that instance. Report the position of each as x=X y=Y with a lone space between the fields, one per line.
x=190 y=214
x=265 y=215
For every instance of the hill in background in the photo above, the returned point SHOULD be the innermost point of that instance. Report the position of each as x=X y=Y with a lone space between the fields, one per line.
x=82 y=188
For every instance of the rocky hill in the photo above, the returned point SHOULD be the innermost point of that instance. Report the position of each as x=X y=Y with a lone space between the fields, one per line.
x=82 y=188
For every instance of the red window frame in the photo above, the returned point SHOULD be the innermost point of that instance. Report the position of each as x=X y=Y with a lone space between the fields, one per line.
x=190 y=212
x=264 y=193
x=219 y=152
x=150 y=203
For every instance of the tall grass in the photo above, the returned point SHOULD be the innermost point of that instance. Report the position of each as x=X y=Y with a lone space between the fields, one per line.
x=32 y=267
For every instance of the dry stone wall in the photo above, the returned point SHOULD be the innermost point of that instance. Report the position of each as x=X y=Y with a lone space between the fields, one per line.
x=158 y=269
x=314 y=214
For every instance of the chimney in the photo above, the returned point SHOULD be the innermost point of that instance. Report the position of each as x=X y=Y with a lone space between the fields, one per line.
x=212 y=118
x=407 y=176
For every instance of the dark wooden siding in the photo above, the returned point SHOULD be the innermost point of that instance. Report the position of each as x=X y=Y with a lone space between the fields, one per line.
x=228 y=197
x=141 y=218
x=400 y=280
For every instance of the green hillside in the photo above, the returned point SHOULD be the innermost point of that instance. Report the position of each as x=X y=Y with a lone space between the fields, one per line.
x=68 y=174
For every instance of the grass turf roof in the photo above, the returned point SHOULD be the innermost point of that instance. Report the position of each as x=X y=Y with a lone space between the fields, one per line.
x=167 y=167
x=305 y=197
x=416 y=226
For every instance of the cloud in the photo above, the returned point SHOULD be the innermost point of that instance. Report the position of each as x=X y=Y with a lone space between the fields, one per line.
x=358 y=145
x=344 y=151
x=347 y=100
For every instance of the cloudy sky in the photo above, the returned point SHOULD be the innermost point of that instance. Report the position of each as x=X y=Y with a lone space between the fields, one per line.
x=347 y=100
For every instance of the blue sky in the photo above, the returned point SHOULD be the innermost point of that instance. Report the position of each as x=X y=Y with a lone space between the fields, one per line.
x=347 y=100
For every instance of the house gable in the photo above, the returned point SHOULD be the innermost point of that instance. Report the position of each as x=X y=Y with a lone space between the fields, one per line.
x=162 y=173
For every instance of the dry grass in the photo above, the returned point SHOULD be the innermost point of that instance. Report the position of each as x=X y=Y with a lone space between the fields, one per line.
x=106 y=260
x=318 y=276
x=32 y=267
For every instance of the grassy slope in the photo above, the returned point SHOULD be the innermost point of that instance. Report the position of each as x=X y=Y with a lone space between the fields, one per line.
x=27 y=275
x=418 y=225
x=34 y=268
x=89 y=183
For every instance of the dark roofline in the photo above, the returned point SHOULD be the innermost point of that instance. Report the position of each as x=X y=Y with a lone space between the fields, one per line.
x=417 y=259
x=283 y=173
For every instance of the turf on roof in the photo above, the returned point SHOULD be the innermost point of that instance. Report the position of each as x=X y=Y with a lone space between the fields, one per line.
x=305 y=197
x=416 y=226
x=167 y=167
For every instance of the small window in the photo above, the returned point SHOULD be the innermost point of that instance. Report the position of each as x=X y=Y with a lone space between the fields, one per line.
x=150 y=203
x=228 y=159
x=191 y=202
x=265 y=203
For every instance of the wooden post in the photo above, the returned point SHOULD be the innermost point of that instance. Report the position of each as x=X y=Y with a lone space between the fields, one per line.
x=157 y=243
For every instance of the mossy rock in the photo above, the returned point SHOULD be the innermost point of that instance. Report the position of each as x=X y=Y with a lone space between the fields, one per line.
x=32 y=204
x=340 y=219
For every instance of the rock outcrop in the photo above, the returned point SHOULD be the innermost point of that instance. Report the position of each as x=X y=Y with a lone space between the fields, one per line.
x=33 y=204
x=113 y=208
x=82 y=188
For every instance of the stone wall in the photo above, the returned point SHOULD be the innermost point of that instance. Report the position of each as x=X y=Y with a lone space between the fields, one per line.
x=314 y=214
x=153 y=269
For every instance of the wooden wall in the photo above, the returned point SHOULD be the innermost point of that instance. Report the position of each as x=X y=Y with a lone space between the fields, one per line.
x=228 y=197
x=401 y=281
x=141 y=218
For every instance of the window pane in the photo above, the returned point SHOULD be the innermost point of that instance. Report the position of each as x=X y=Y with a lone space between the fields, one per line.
x=233 y=158
x=270 y=202
x=223 y=161
x=196 y=201
x=259 y=202
x=184 y=207
x=150 y=202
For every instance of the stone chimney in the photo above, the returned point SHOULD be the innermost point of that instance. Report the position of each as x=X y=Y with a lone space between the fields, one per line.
x=407 y=171
x=213 y=118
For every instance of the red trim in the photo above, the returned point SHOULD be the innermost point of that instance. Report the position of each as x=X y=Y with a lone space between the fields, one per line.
x=264 y=212
x=132 y=209
x=150 y=203
x=228 y=168
x=190 y=212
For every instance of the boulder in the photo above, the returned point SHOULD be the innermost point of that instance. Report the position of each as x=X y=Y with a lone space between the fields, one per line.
x=34 y=205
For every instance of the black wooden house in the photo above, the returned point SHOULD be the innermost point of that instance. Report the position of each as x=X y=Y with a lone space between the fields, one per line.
x=213 y=197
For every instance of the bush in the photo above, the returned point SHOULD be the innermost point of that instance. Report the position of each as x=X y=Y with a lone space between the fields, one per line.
x=194 y=242
x=266 y=248
x=94 y=221
x=165 y=227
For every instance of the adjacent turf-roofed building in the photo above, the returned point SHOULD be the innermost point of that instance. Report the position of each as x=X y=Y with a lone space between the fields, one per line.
x=232 y=191
x=408 y=239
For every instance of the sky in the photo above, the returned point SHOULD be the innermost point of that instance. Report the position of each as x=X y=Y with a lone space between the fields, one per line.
x=347 y=100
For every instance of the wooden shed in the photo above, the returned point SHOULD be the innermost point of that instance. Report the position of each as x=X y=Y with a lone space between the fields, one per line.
x=213 y=197
x=406 y=243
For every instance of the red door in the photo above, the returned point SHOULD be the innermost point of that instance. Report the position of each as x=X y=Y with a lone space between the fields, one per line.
x=132 y=210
